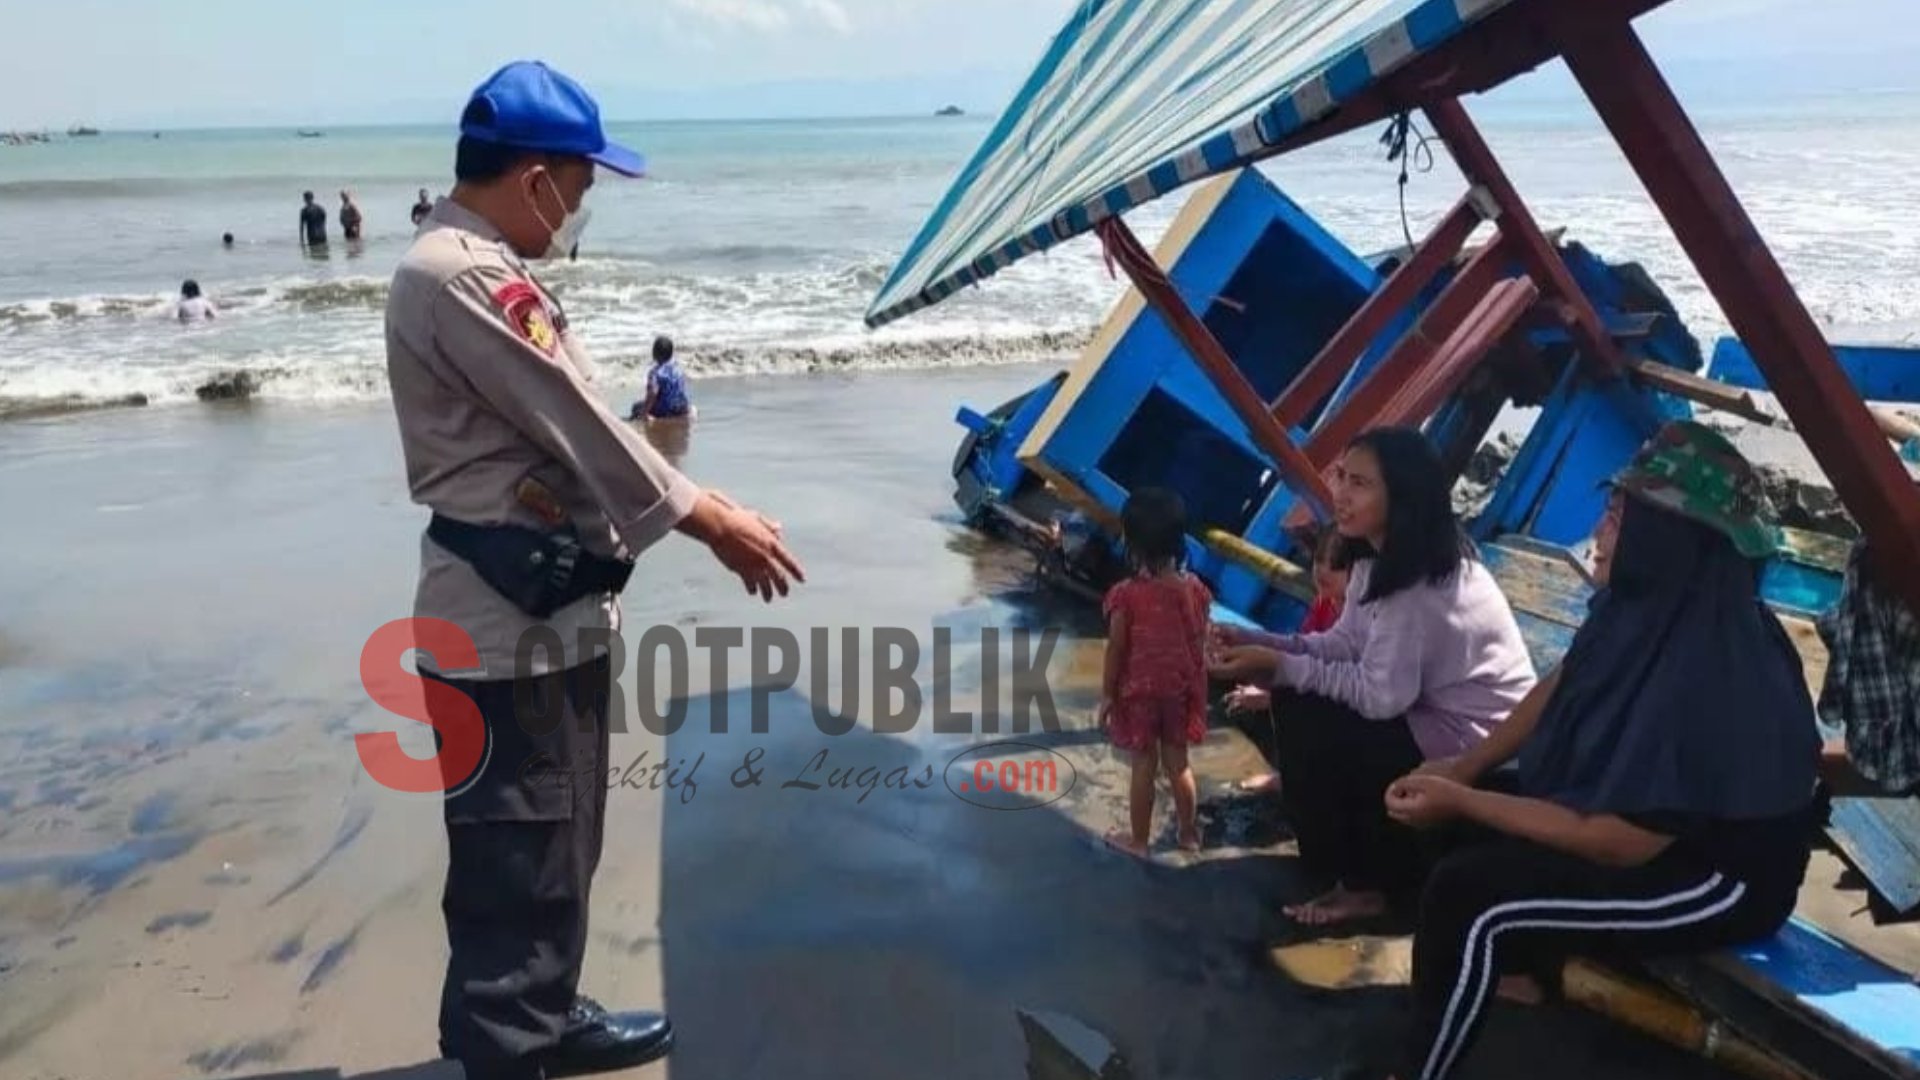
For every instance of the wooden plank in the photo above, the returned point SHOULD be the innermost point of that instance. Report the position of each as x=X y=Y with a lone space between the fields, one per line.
x=1881 y=838
x=1878 y=372
x=1522 y=233
x=1802 y=1036
x=1836 y=898
x=1516 y=39
x=1408 y=356
x=1714 y=395
x=1323 y=374
x=1498 y=312
x=1539 y=585
x=1151 y=279
x=1627 y=326
x=1861 y=1004
x=1547 y=594
x=1728 y=396
x=1554 y=589
x=1186 y=228
x=1813 y=652
x=1817 y=550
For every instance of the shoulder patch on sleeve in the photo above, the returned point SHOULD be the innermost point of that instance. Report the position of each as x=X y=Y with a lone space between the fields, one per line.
x=526 y=312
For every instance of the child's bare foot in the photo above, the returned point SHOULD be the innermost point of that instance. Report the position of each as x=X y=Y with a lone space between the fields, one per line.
x=1190 y=841
x=1292 y=911
x=1338 y=905
x=1259 y=785
x=1124 y=842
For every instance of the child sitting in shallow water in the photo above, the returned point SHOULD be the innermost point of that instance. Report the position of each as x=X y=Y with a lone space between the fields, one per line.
x=1154 y=699
x=1329 y=600
x=667 y=397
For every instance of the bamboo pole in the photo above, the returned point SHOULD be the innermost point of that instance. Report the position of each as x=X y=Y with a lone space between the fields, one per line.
x=1653 y=1011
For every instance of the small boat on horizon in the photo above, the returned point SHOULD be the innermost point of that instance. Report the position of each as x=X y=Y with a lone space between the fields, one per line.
x=79 y=131
x=311 y=134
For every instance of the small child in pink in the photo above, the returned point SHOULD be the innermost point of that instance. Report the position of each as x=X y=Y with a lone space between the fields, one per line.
x=1154 y=700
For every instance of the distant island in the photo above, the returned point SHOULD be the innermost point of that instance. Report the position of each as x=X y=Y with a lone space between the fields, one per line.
x=951 y=110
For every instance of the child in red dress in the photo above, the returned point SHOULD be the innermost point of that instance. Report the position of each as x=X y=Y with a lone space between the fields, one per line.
x=1329 y=582
x=1329 y=599
x=1154 y=704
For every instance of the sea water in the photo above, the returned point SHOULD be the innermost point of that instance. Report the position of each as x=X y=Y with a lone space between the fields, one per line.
x=758 y=245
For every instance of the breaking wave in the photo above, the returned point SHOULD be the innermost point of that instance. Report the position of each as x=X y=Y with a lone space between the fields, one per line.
x=621 y=286
x=307 y=296
x=340 y=380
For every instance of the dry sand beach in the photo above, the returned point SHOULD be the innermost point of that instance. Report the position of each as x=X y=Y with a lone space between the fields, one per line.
x=198 y=879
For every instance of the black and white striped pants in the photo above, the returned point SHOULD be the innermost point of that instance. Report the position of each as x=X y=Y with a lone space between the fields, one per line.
x=1509 y=906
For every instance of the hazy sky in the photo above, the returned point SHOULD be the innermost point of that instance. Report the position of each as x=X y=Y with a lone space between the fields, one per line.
x=139 y=63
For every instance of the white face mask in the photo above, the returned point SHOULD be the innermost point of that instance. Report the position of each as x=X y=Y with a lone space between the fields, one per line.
x=566 y=235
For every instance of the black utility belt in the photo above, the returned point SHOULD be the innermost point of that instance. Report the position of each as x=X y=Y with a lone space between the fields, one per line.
x=540 y=572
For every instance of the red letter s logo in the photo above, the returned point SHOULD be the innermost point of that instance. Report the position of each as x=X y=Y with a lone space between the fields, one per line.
x=463 y=732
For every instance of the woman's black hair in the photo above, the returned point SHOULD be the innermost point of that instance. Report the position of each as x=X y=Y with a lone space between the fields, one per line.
x=1424 y=541
x=1154 y=522
x=189 y=288
x=662 y=349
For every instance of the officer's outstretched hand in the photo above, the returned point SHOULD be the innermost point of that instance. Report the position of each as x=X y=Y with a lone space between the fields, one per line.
x=746 y=543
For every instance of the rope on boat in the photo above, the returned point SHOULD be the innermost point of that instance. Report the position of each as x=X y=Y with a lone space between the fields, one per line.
x=1399 y=130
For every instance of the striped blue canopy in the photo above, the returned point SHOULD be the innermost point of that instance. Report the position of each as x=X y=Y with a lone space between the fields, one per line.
x=1137 y=97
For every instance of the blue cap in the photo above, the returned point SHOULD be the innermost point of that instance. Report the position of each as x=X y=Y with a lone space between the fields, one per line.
x=534 y=107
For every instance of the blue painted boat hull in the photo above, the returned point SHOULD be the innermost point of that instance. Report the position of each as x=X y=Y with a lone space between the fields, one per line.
x=1274 y=286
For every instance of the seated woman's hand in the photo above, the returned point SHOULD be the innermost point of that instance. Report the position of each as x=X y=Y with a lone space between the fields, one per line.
x=1224 y=636
x=1246 y=699
x=1246 y=664
x=1454 y=768
x=1424 y=800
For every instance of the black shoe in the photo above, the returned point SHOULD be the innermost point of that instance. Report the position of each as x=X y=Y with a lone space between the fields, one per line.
x=598 y=1041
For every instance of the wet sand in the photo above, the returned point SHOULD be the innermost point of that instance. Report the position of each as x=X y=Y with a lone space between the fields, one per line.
x=198 y=879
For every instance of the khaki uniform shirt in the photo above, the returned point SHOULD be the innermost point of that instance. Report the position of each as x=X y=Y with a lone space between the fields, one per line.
x=500 y=425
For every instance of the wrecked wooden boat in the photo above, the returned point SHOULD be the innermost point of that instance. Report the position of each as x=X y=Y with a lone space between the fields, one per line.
x=1253 y=346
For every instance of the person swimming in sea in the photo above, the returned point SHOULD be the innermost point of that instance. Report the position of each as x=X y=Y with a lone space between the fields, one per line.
x=666 y=388
x=192 y=307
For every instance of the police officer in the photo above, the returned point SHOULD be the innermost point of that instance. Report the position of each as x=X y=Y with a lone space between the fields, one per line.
x=541 y=499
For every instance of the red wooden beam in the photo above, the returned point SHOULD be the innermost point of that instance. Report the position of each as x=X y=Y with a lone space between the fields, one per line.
x=1405 y=361
x=1512 y=41
x=1501 y=307
x=1498 y=313
x=1322 y=376
x=1639 y=108
x=1151 y=280
x=1530 y=245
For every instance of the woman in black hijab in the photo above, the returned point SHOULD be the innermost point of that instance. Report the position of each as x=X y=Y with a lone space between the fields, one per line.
x=1666 y=769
